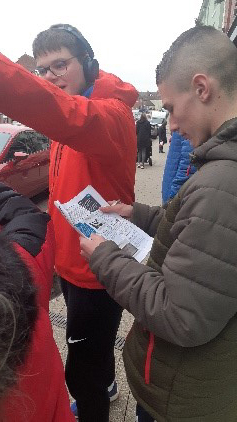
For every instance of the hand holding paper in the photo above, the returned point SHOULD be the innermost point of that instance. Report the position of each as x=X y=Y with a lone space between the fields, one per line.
x=119 y=208
x=89 y=214
x=89 y=245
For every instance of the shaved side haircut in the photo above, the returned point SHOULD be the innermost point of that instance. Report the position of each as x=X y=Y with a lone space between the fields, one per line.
x=202 y=49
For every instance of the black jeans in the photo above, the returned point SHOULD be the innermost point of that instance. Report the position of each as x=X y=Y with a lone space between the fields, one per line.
x=142 y=415
x=141 y=155
x=92 y=322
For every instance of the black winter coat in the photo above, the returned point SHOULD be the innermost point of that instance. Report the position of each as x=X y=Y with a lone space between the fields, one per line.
x=162 y=133
x=143 y=129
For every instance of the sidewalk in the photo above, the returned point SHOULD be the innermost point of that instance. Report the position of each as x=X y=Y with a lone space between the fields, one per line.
x=148 y=190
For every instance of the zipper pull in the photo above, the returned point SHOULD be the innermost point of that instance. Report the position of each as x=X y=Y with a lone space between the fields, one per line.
x=188 y=170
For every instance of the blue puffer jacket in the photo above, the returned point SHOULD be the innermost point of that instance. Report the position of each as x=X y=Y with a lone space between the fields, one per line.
x=177 y=163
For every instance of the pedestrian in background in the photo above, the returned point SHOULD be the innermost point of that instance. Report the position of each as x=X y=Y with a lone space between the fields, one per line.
x=143 y=130
x=87 y=113
x=181 y=354
x=32 y=382
x=162 y=135
x=177 y=166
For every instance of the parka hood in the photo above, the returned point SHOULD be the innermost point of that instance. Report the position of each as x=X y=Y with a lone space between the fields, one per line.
x=110 y=86
x=221 y=146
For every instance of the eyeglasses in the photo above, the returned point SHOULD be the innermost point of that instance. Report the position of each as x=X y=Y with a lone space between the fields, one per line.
x=58 y=68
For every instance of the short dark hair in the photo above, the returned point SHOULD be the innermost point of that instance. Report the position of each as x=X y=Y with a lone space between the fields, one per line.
x=143 y=117
x=53 y=39
x=201 y=49
x=18 y=314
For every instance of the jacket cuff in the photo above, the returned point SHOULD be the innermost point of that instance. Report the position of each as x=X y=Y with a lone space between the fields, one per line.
x=100 y=253
x=139 y=215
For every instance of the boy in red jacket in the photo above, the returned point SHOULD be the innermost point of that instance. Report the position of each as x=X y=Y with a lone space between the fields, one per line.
x=88 y=114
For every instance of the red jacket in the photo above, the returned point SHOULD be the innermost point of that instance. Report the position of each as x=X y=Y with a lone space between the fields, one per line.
x=40 y=394
x=97 y=146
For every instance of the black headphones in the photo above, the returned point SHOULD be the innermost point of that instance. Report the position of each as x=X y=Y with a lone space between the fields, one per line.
x=90 y=65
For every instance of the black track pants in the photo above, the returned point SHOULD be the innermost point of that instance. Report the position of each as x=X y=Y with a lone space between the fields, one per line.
x=142 y=415
x=92 y=322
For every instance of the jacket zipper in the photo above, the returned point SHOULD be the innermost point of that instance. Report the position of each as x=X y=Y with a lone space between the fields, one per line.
x=56 y=165
x=148 y=358
x=188 y=170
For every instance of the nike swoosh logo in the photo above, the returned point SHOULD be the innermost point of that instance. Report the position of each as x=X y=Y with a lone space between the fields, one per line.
x=75 y=341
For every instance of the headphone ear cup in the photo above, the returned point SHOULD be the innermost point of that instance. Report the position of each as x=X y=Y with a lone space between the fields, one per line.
x=90 y=69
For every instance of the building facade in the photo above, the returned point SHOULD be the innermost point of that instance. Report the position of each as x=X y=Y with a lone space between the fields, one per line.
x=211 y=13
x=230 y=14
x=148 y=101
x=28 y=62
x=231 y=20
x=222 y=14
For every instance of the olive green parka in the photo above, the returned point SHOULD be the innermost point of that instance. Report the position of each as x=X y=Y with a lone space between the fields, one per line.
x=181 y=354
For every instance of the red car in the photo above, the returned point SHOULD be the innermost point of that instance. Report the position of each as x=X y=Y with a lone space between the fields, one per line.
x=24 y=159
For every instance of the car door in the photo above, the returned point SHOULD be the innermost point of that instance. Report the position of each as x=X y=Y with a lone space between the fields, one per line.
x=21 y=174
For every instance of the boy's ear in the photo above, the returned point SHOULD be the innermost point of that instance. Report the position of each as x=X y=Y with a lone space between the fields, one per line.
x=202 y=88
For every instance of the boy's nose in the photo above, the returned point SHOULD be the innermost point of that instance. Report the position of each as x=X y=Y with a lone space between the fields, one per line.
x=173 y=125
x=50 y=76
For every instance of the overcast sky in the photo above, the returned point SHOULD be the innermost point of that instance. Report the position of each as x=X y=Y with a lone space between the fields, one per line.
x=128 y=37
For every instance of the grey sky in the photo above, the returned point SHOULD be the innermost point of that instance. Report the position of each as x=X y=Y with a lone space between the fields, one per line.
x=128 y=37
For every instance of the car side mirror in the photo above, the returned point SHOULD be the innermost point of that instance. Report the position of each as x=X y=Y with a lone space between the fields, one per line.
x=19 y=156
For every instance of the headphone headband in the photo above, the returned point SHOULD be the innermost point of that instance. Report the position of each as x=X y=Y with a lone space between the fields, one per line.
x=90 y=65
x=76 y=33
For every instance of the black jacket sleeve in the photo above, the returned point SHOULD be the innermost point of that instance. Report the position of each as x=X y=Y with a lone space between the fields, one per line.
x=22 y=221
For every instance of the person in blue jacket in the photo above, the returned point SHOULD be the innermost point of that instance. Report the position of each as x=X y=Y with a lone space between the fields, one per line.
x=177 y=167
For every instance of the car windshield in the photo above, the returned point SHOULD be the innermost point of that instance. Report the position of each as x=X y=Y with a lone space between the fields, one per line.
x=4 y=138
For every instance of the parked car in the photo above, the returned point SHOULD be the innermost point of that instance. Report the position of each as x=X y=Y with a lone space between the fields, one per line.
x=157 y=118
x=136 y=114
x=24 y=159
